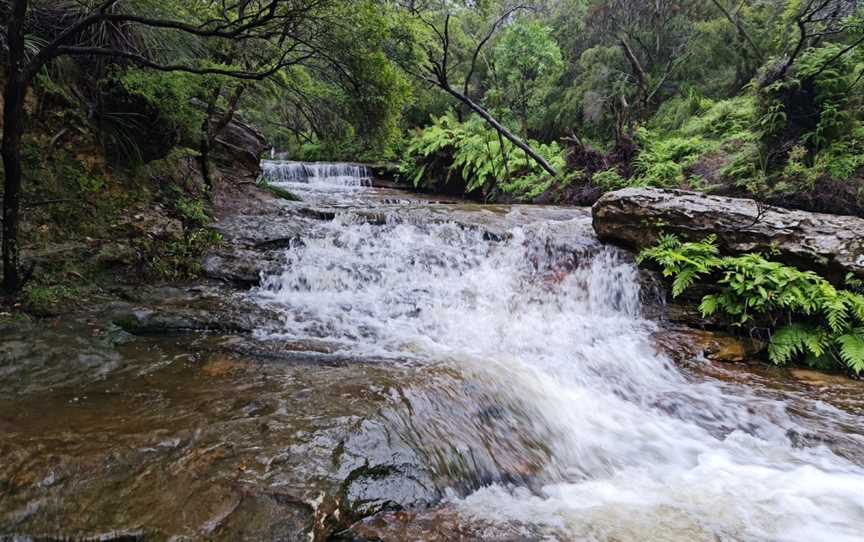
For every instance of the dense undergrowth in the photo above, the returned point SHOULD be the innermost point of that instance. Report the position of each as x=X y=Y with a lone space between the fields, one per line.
x=767 y=104
x=805 y=318
x=106 y=200
x=469 y=158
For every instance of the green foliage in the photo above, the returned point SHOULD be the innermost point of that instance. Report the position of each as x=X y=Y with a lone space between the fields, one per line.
x=609 y=180
x=815 y=111
x=528 y=62
x=181 y=259
x=473 y=153
x=726 y=120
x=673 y=114
x=86 y=182
x=814 y=320
x=169 y=93
x=662 y=161
x=191 y=210
x=49 y=299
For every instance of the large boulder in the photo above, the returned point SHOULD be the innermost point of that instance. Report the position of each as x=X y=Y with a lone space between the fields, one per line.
x=831 y=245
x=239 y=144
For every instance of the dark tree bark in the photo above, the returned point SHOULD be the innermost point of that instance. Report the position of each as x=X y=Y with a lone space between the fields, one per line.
x=204 y=145
x=210 y=130
x=13 y=129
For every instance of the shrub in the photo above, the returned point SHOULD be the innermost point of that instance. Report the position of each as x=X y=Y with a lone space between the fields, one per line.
x=48 y=300
x=726 y=120
x=192 y=210
x=663 y=160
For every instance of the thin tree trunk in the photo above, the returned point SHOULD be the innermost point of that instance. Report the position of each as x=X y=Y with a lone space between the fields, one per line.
x=486 y=116
x=210 y=130
x=13 y=128
x=13 y=125
x=204 y=143
x=741 y=30
x=228 y=116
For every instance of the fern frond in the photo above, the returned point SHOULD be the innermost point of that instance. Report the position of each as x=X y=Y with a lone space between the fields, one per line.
x=685 y=278
x=835 y=311
x=852 y=349
x=855 y=303
x=709 y=305
x=790 y=342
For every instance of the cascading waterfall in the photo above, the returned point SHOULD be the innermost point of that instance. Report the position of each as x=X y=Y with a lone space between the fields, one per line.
x=315 y=173
x=636 y=448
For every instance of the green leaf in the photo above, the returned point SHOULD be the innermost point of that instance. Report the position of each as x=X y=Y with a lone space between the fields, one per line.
x=789 y=342
x=709 y=305
x=852 y=350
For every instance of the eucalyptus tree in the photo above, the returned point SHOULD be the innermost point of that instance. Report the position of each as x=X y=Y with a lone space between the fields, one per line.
x=654 y=38
x=38 y=32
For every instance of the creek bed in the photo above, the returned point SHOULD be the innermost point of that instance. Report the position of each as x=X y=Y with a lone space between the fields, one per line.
x=418 y=369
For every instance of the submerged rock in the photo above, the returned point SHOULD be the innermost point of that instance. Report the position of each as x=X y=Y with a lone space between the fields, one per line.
x=686 y=344
x=831 y=245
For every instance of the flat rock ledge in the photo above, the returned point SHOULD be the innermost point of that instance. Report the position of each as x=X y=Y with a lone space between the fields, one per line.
x=830 y=245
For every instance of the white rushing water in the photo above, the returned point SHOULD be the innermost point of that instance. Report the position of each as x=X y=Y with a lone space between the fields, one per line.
x=639 y=451
x=330 y=176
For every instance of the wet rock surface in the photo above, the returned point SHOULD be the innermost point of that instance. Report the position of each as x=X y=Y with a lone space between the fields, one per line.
x=192 y=438
x=239 y=144
x=683 y=344
x=177 y=415
x=831 y=245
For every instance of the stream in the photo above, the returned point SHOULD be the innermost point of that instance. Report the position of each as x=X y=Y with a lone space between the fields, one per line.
x=417 y=369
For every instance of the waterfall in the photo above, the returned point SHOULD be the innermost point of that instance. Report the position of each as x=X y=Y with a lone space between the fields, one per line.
x=539 y=361
x=315 y=173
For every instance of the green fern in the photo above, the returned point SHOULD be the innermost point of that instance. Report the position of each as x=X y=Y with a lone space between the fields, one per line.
x=472 y=152
x=685 y=278
x=709 y=305
x=790 y=342
x=852 y=349
x=826 y=322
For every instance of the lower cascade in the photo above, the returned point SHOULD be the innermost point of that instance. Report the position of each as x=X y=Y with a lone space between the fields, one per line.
x=544 y=403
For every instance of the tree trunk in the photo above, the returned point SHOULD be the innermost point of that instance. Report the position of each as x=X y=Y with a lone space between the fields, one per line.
x=486 y=116
x=204 y=144
x=210 y=130
x=13 y=128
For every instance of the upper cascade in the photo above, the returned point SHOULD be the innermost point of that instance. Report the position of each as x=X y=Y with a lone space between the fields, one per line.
x=331 y=173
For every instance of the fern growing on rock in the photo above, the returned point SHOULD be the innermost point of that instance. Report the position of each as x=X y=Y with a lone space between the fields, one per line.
x=812 y=320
